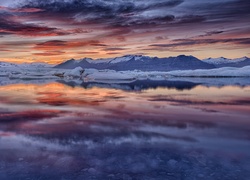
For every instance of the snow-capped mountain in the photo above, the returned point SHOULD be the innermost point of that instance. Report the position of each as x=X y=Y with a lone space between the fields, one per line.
x=224 y=62
x=220 y=60
x=111 y=60
x=139 y=62
x=124 y=59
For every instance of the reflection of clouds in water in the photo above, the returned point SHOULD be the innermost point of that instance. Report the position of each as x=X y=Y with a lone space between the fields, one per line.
x=6 y=134
x=103 y=133
x=23 y=157
x=117 y=122
x=115 y=158
x=110 y=149
x=178 y=100
x=65 y=126
x=60 y=101
x=17 y=117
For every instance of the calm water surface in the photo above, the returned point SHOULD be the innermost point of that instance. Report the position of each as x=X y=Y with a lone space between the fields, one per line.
x=176 y=131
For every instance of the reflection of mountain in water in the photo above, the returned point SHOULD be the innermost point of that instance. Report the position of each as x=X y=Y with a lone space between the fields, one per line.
x=179 y=83
x=135 y=85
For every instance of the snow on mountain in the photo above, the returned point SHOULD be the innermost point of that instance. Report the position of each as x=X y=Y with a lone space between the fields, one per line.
x=222 y=60
x=139 y=62
x=97 y=61
x=127 y=58
x=240 y=59
x=113 y=60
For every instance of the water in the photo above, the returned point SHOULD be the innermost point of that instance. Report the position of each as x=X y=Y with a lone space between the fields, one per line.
x=143 y=130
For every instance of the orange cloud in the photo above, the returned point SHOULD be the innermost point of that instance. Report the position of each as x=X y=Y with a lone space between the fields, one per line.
x=49 y=53
x=59 y=44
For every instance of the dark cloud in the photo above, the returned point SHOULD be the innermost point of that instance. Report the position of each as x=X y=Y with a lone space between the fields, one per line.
x=143 y=22
x=53 y=43
x=112 y=53
x=88 y=52
x=12 y=117
x=124 y=16
x=104 y=7
x=181 y=102
x=160 y=38
x=103 y=23
x=51 y=99
x=211 y=33
x=8 y=27
x=98 y=44
x=114 y=49
x=224 y=10
x=118 y=14
x=190 y=19
x=59 y=44
x=191 y=42
x=20 y=10
x=129 y=13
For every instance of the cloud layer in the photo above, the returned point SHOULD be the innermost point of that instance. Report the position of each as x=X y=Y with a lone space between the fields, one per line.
x=162 y=28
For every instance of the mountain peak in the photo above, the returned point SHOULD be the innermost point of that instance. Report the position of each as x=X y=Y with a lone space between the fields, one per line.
x=132 y=55
x=141 y=62
x=186 y=57
x=89 y=60
x=70 y=60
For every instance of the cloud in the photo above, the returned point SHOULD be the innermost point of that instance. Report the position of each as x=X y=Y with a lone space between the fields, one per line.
x=98 y=44
x=59 y=44
x=114 y=49
x=211 y=33
x=20 y=10
x=88 y=52
x=49 y=53
x=53 y=43
x=15 y=117
x=192 y=42
x=103 y=7
x=112 y=53
x=104 y=23
x=59 y=100
x=188 y=19
x=134 y=14
x=107 y=14
x=8 y=27
x=5 y=50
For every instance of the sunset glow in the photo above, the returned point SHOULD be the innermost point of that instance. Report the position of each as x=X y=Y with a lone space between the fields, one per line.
x=54 y=31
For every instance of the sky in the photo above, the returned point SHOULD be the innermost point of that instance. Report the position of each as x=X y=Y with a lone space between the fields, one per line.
x=52 y=31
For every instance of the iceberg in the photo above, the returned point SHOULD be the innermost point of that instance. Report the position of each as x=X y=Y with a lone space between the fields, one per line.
x=76 y=72
x=219 y=72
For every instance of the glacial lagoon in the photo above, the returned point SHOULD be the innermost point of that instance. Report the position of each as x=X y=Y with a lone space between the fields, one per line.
x=141 y=130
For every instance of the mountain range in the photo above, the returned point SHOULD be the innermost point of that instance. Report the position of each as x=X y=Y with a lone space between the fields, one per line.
x=224 y=62
x=145 y=63
x=139 y=62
